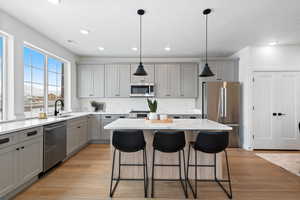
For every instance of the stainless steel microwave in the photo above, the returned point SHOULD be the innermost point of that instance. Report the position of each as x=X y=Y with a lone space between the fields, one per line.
x=142 y=90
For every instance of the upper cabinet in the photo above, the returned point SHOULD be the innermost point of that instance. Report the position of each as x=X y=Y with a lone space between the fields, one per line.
x=176 y=80
x=117 y=80
x=189 y=80
x=224 y=70
x=90 y=81
x=143 y=79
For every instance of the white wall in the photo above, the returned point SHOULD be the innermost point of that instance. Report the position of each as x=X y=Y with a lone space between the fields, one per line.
x=261 y=58
x=22 y=33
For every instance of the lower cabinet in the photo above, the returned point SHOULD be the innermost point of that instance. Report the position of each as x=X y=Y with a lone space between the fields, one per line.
x=77 y=134
x=8 y=158
x=30 y=159
x=20 y=162
x=94 y=127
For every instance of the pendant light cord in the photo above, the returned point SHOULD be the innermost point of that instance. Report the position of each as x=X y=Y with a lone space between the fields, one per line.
x=206 y=40
x=140 y=38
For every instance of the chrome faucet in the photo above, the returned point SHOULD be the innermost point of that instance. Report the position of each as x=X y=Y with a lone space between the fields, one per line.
x=55 y=106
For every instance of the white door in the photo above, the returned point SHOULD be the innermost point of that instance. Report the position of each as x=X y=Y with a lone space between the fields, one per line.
x=7 y=169
x=276 y=110
x=30 y=159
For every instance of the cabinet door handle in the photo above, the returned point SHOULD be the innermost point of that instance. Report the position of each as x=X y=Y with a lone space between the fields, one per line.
x=31 y=133
x=274 y=114
x=192 y=117
x=78 y=126
x=107 y=117
x=22 y=147
x=281 y=114
x=17 y=149
x=5 y=140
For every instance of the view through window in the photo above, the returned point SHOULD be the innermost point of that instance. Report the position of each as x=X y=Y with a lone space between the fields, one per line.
x=43 y=82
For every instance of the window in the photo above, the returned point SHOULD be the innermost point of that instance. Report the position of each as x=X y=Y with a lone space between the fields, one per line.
x=43 y=82
x=1 y=76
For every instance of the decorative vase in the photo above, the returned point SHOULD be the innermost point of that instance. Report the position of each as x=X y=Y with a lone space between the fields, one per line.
x=152 y=116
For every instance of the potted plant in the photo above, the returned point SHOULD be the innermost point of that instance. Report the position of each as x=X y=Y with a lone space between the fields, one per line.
x=153 y=108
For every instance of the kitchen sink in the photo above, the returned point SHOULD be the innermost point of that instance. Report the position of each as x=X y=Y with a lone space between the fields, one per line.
x=64 y=116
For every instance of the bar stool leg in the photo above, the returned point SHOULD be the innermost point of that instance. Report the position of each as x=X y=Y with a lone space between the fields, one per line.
x=185 y=177
x=152 y=178
x=188 y=166
x=229 y=194
x=144 y=172
x=112 y=189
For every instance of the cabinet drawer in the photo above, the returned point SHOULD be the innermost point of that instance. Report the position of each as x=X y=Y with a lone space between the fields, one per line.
x=8 y=139
x=77 y=121
x=30 y=134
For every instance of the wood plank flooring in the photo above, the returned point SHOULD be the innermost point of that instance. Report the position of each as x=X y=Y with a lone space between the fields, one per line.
x=86 y=177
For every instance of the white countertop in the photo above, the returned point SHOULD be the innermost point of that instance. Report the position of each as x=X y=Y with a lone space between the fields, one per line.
x=13 y=126
x=9 y=127
x=178 y=124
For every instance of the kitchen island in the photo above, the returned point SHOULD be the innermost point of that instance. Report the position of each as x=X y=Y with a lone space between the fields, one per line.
x=191 y=127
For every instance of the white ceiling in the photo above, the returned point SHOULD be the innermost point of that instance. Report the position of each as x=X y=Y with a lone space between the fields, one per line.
x=179 y=24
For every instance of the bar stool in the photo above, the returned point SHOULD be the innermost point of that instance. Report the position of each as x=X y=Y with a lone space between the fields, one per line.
x=169 y=142
x=212 y=143
x=128 y=141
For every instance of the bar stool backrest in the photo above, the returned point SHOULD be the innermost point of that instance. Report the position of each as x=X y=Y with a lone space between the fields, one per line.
x=128 y=140
x=211 y=142
x=169 y=142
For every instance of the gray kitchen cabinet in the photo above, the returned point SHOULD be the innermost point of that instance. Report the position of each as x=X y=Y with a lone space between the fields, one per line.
x=8 y=169
x=161 y=80
x=94 y=127
x=107 y=119
x=77 y=134
x=167 y=79
x=143 y=79
x=30 y=159
x=189 y=80
x=176 y=80
x=117 y=80
x=90 y=81
x=21 y=158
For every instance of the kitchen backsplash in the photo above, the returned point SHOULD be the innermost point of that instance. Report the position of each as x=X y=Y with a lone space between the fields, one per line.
x=126 y=104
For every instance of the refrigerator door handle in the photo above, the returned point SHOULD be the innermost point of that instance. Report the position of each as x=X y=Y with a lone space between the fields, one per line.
x=225 y=102
x=221 y=103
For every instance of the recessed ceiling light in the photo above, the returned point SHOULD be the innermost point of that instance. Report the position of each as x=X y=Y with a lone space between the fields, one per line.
x=84 y=31
x=134 y=48
x=55 y=2
x=168 y=48
x=273 y=43
x=101 y=48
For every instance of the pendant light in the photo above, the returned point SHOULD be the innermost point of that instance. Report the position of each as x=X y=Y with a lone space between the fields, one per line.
x=206 y=71
x=140 y=71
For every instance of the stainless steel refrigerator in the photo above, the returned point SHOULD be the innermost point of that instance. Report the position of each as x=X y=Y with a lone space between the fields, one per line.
x=221 y=103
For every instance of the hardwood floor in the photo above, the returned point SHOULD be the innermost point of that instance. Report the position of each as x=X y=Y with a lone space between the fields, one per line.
x=86 y=177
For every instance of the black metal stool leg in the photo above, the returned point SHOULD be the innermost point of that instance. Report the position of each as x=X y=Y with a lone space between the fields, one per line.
x=185 y=177
x=188 y=166
x=144 y=172
x=112 y=174
x=152 y=178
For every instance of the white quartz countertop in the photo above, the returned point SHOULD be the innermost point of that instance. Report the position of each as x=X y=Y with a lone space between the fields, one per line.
x=178 y=124
x=13 y=126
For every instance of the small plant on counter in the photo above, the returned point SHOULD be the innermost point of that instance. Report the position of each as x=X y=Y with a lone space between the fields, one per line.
x=152 y=105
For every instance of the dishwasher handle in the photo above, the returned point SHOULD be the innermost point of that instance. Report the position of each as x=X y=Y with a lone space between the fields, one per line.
x=53 y=127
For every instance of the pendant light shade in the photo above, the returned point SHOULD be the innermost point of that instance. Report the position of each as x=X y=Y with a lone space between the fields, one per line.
x=140 y=71
x=206 y=72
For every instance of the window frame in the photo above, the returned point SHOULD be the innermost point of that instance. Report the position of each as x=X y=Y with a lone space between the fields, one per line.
x=4 y=75
x=46 y=55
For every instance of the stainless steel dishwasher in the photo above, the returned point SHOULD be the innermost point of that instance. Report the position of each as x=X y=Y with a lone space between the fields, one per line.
x=54 y=144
